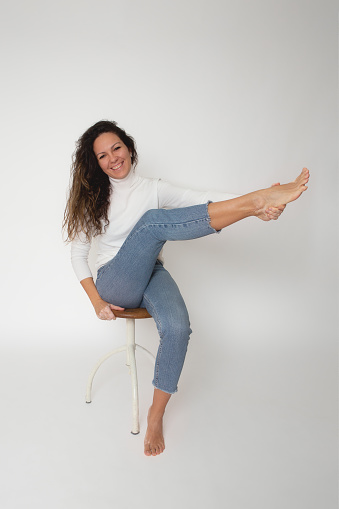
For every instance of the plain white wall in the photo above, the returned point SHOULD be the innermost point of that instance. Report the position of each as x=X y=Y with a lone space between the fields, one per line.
x=219 y=94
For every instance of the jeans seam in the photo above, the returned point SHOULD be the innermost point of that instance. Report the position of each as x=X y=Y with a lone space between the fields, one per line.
x=154 y=314
x=157 y=320
x=195 y=221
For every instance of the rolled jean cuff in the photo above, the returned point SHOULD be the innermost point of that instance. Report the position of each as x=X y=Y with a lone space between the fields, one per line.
x=164 y=390
x=209 y=219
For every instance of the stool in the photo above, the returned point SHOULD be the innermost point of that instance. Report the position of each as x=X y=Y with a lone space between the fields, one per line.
x=130 y=315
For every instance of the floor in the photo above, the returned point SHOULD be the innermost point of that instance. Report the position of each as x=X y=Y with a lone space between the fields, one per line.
x=246 y=434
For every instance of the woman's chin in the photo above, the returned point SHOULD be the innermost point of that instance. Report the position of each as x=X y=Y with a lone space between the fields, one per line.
x=119 y=174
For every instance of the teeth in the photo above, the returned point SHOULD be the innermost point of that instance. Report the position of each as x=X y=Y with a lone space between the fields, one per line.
x=116 y=167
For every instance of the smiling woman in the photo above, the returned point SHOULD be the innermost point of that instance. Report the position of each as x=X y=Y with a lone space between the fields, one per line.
x=90 y=190
x=126 y=213
x=113 y=156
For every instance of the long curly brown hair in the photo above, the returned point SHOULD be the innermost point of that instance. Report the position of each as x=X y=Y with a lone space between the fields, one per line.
x=90 y=191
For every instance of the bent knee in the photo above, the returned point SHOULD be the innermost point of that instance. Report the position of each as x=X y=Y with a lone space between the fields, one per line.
x=179 y=330
x=149 y=216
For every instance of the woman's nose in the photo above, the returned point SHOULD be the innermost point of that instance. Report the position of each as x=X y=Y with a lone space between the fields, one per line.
x=113 y=158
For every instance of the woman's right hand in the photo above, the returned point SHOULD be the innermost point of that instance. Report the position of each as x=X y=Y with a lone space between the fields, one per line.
x=105 y=311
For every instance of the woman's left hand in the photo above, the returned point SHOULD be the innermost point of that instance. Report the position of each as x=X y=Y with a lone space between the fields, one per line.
x=104 y=310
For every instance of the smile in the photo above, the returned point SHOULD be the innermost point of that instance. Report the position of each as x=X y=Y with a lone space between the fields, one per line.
x=117 y=167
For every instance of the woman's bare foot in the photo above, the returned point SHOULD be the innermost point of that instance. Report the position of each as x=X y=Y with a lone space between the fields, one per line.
x=279 y=195
x=265 y=204
x=154 y=443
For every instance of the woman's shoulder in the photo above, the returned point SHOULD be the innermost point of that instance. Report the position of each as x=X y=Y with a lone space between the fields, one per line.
x=141 y=180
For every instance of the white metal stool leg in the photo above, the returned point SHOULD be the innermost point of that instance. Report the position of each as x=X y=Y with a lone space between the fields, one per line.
x=130 y=348
x=95 y=369
x=131 y=363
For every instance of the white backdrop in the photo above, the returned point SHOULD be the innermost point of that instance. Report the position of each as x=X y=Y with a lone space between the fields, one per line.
x=218 y=95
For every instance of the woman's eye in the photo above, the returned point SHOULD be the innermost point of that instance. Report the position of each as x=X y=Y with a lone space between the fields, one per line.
x=117 y=148
x=101 y=157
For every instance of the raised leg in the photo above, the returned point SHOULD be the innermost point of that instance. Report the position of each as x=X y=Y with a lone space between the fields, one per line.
x=259 y=203
x=122 y=281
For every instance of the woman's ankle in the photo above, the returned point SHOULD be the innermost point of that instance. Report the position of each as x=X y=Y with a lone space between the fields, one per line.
x=258 y=201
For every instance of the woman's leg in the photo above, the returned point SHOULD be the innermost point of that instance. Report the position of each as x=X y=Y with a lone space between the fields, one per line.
x=123 y=280
x=164 y=302
x=154 y=442
x=258 y=203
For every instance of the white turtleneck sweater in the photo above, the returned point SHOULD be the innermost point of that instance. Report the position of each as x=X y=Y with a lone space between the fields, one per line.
x=131 y=197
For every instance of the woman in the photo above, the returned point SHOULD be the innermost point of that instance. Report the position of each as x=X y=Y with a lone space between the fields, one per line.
x=126 y=213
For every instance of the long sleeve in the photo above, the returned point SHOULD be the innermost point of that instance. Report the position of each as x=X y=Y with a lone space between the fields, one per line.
x=171 y=196
x=132 y=197
x=79 y=255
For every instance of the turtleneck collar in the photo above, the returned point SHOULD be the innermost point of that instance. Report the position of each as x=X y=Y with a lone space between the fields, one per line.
x=125 y=182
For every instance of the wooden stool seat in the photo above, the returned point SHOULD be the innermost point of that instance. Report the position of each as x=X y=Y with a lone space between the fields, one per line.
x=129 y=347
x=132 y=313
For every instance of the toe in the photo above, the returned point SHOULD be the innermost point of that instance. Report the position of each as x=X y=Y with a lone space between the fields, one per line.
x=147 y=449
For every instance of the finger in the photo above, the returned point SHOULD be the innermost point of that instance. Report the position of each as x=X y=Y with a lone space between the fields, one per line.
x=116 y=307
x=277 y=210
x=276 y=184
x=281 y=208
x=106 y=313
x=273 y=215
x=110 y=314
x=103 y=315
x=273 y=211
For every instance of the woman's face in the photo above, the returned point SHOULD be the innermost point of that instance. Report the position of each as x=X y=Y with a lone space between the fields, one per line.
x=113 y=156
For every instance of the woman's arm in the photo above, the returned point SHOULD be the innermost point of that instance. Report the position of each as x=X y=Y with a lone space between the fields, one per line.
x=103 y=309
x=79 y=252
x=171 y=196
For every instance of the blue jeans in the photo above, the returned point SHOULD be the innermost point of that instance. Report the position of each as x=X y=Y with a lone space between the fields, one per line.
x=136 y=278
